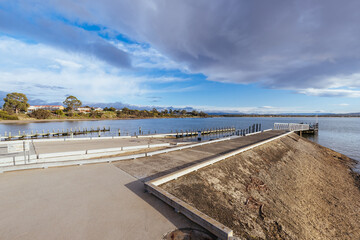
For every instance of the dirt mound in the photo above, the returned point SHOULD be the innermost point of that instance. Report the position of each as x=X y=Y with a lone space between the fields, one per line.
x=290 y=188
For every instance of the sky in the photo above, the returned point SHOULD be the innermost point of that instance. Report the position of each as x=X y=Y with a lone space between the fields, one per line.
x=278 y=56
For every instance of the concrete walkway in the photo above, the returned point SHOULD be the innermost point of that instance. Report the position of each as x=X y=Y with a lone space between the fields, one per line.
x=96 y=201
x=153 y=167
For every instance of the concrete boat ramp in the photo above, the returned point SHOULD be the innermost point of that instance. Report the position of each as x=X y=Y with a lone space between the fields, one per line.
x=105 y=200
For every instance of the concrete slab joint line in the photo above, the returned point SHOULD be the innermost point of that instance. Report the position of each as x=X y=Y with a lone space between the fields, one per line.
x=192 y=213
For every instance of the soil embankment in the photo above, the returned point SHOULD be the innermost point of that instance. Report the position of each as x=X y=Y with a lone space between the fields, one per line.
x=290 y=188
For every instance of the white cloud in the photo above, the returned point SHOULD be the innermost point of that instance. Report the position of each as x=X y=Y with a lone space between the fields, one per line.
x=331 y=92
x=46 y=73
x=149 y=57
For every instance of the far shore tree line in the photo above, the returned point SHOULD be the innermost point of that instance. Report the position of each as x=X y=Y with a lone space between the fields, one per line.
x=16 y=106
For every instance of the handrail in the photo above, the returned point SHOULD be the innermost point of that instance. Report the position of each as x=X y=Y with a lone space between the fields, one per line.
x=291 y=126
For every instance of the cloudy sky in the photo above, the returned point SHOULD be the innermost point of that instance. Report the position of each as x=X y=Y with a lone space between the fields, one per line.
x=248 y=56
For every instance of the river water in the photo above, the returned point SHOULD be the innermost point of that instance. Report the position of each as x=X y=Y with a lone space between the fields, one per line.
x=339 y=134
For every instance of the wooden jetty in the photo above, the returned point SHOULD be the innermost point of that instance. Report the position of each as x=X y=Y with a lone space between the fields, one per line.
x=68 y=132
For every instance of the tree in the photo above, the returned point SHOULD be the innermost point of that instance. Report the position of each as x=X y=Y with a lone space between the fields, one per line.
x=72 y=102
x=15 y=102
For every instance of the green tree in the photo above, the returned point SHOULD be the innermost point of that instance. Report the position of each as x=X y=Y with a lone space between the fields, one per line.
x=15 y=102
x=72 y=102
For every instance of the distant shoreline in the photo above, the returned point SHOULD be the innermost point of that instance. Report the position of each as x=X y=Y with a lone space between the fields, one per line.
x=213 y=116
x=77 y=119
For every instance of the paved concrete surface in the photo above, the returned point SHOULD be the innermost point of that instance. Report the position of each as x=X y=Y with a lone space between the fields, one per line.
x=153 y=167
x=96 y=201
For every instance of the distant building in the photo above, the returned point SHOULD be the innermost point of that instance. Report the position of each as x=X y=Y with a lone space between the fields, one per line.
x=45 y=107
x=83 y=109
x=98 y=109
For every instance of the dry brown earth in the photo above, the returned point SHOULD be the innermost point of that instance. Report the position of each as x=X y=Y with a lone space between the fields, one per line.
x=290 y=188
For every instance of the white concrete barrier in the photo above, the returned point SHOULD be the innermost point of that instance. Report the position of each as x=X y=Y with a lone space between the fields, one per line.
x=60 y=154
x=104 y=150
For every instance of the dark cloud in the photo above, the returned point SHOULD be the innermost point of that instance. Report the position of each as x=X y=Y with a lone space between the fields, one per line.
x=31 y=20
x=280 y=44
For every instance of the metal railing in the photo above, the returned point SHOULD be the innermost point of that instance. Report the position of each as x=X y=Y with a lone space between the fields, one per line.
x=291 y=126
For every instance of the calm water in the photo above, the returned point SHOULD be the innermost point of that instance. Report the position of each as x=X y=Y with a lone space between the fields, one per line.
x=339 y=134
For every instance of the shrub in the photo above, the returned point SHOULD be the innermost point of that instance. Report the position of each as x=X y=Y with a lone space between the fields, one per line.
x=40 y=114
x=5 y=116
x=59 y=112
x=95 y=114
x=108 y=114
x=72 y=114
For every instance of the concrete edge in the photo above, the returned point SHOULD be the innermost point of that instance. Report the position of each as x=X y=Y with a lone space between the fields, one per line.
x=190 y=212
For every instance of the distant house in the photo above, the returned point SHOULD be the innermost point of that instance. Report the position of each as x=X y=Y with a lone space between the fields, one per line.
x=83 y=109
x=98 y=109
x=45 y=107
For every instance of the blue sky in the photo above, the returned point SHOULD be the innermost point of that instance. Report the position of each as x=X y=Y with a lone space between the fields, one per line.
x=233 y=56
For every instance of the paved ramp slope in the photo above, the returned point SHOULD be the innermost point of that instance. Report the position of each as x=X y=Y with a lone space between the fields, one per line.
x=152 y=167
